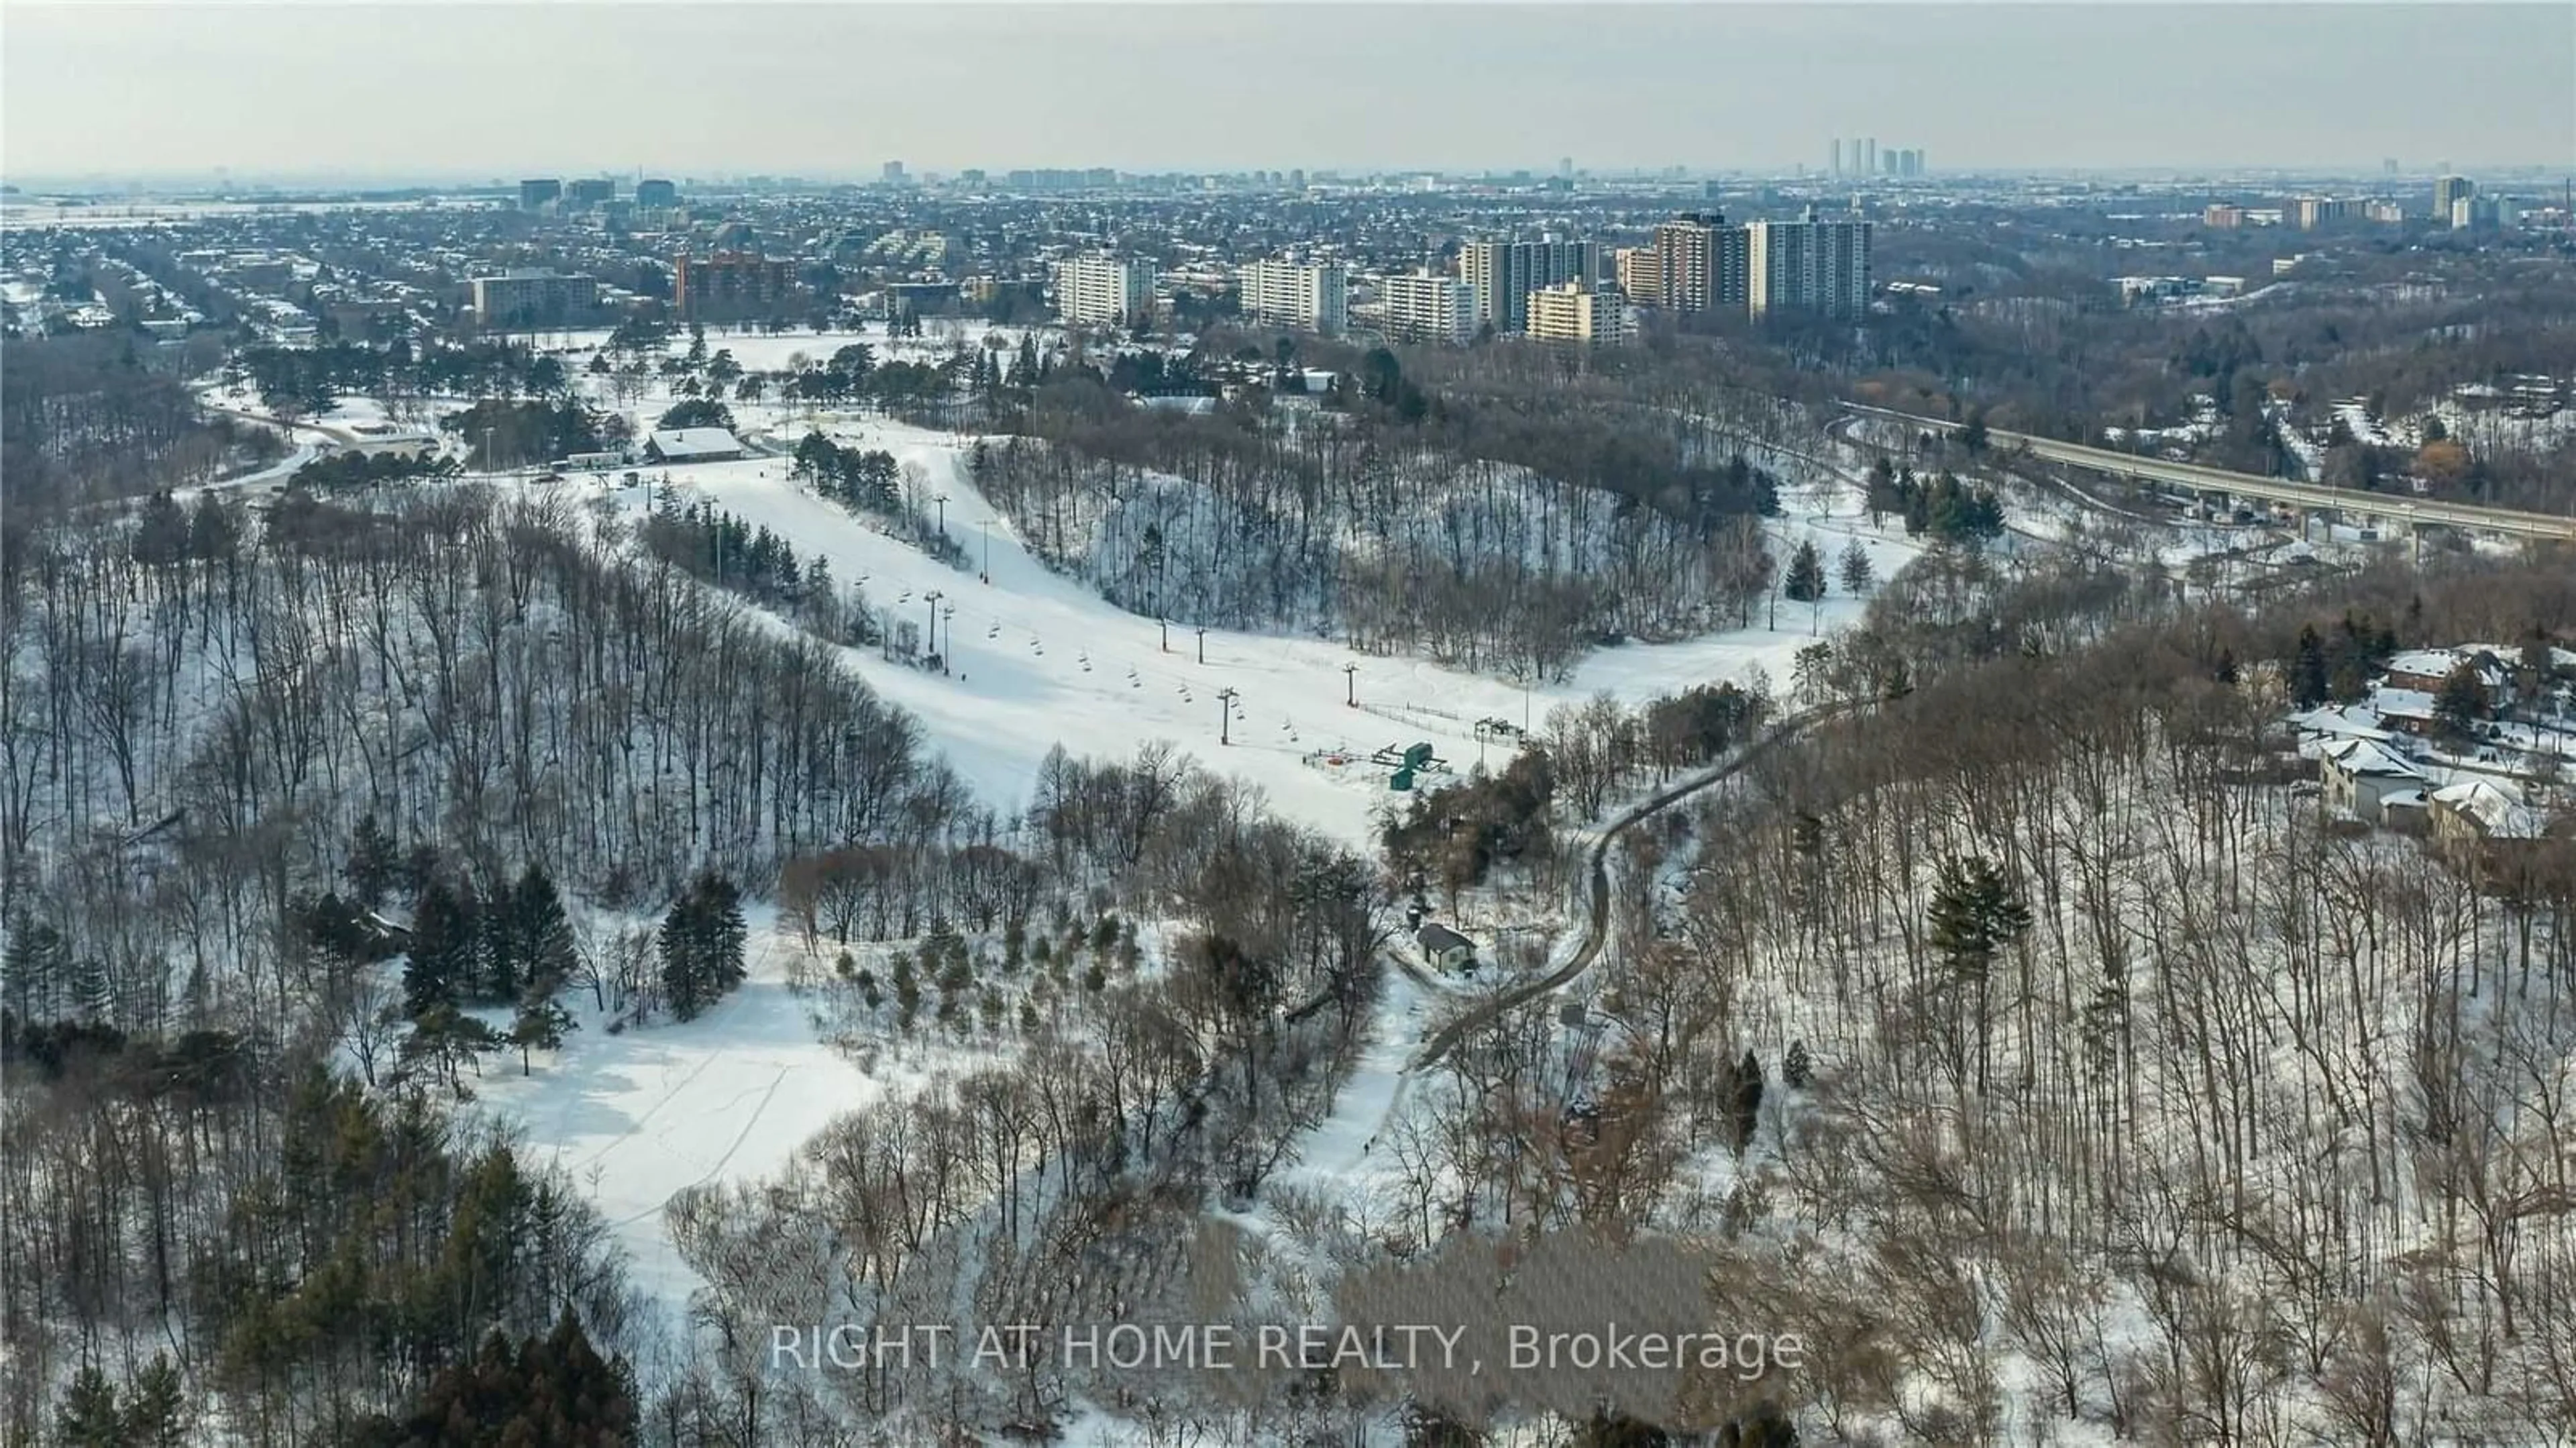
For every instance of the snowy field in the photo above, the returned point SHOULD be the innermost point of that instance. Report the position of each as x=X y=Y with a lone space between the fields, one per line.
x=636 y=1117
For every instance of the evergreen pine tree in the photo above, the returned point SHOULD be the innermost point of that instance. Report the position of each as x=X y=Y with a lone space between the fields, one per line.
x=1975 y=913
x=375 y=863
x=501 y=956
x=2461 y=702
x=548 y=954
x=542 y=1023
x=87 y=1416
x=1747 y=1103
x=440 y=962
x=1855 y=568
x=213 y=535
x=1806 y=580
x=161 y=538
x=37 y=968
x=2308 y=682
x=156 y=1408
x=907 y=991
x=1797 y=1069
x=702 y=943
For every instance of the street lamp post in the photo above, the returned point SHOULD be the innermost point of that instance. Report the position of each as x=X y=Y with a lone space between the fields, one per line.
x=1225 y=716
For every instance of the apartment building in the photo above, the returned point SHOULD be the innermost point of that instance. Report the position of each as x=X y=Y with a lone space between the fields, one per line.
x=2448 y=192
x=1640 y=273
x=2310 y=212
x=1287 y=294
x=729 y=282
x=1103 y=290
x=1574 y=312
x=1428 y=307
x=1808 y=264
x=1700 y=264
x=524 y=297
x=1504 y=273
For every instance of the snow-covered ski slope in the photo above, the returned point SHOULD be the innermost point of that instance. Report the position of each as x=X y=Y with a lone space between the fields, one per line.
x=1036 y=659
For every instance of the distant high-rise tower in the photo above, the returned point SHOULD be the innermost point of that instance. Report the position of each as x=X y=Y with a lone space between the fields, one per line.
x=1504 y=273
x=1699 y=264
x=893 y=173
x=1565 y=167
x=1869 y=158
x=1103 y=289
x=1838 y=155
x=2448 y=192
x=1811 y=265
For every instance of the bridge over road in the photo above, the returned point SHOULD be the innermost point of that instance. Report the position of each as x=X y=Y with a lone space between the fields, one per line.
x=2371 y=507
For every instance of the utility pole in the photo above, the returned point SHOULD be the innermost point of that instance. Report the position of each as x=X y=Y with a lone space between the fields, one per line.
x=1350 y=686
x=1225 y=715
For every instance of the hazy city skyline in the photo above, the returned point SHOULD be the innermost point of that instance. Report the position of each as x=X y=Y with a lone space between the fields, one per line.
x=475 y=93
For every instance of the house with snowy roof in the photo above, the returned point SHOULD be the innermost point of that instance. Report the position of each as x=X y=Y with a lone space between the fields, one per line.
x=2356 y=776
x=692 y=445
x=2485 y=823
x=2406 y=711
x=1446 y=948
x=2425 y=669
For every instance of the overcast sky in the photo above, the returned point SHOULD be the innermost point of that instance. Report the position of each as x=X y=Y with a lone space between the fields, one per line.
x=398 y=91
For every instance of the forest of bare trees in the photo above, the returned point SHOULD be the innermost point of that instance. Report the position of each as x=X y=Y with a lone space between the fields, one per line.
x=2044 y=1056
x=1510 y=527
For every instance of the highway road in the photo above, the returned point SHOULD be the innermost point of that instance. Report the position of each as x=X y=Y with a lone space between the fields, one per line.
x=2506 y=522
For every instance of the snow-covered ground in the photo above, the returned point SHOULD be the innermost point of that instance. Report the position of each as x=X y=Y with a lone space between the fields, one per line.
x=637 y=1116
x=1040 y=660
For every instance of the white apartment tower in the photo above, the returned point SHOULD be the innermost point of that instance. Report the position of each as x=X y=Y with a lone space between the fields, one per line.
x=1429 y=307
x=1573 y=312
x=1819 y=266
x=1103 y=290
x=1287 y=294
